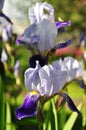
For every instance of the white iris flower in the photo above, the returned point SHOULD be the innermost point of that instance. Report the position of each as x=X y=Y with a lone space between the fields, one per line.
x=49 y=79
x=40 y=37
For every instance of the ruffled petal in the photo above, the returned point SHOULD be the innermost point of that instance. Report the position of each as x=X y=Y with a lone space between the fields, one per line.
x=45 y=86
x=52 y=78
x=29 y=36
x=29 y=107
x=36 y=12
x=31 y=77
x=74 y=68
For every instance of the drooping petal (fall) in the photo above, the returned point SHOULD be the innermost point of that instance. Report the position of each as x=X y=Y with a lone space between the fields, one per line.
x=70 y=103
x=29 y=107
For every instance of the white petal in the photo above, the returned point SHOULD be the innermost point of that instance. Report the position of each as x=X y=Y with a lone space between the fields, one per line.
x=74 y=68
x=36 y=12
x=52 y=78
x=45 y=82
x=58 y=76
x=4 y=56
x=31 y=77
x=47 y=34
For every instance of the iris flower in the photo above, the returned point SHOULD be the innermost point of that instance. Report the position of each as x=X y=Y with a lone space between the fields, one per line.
x=42 y=25
x=40 y=11
x=46 y=81
x=40 y=38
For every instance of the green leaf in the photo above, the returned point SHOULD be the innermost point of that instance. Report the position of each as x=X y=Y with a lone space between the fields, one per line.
x=69 y=124
x=55 y=115
x=84 y=109
x=8 y=117
x=2 y=106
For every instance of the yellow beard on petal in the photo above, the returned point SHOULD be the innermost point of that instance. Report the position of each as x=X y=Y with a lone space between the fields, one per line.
x=34 y=92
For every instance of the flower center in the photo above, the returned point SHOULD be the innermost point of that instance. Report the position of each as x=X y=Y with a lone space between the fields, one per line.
x=42 y=61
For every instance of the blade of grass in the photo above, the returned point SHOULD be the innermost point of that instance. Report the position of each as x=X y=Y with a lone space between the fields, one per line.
x=8 y=117
x=49 y=126
x=84 y=109
x=69 y=124
x=47 y=118
x=2 y=106
x=55 y=115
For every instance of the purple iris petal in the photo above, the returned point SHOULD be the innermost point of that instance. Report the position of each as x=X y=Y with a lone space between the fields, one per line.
x=70 y=103
x=6 y=17
x=61 y=24
x=29 y=107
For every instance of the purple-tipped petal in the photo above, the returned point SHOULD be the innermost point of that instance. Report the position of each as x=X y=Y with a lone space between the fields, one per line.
x=61 y=24
x=70 y=103
x=81 y=83
x=63 y=45
x=6 y=17
x=29 y=107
